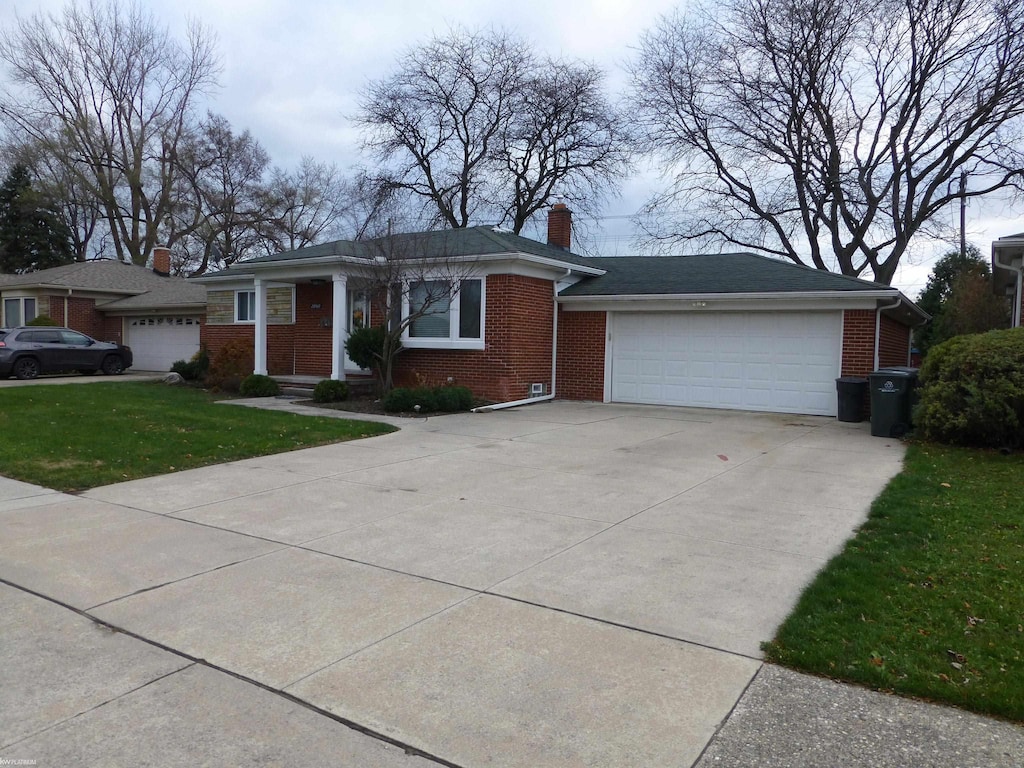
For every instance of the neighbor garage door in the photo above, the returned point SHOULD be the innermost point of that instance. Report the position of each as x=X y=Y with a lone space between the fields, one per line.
x=157 y=342
x=759 y=361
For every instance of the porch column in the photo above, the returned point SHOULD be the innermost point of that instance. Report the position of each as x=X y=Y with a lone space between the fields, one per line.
x=339 y=321
x=260 y=310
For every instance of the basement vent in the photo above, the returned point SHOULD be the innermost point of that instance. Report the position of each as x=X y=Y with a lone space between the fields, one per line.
x=536 y=390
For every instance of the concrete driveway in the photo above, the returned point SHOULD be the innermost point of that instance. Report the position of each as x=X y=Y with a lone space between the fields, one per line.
x=562 y=585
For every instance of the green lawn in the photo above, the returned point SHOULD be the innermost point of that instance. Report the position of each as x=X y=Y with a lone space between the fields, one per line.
x=75 y=437
x=928 y=599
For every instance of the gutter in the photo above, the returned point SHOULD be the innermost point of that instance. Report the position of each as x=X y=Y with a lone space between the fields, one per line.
x=338 y=260
x=1016 y=320
x=554 y=363
x=734 y=296
x=512 y=404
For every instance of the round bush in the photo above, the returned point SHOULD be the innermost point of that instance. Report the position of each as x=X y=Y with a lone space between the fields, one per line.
x=397 y=400
x=972 y=391
x=365 y=346
x=453 y=399
x=330 y=391
x=257 y=385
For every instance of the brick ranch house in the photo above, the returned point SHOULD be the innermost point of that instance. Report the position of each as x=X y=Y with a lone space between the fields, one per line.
x=1008 y=274
x=157 y=315
x=534 y=320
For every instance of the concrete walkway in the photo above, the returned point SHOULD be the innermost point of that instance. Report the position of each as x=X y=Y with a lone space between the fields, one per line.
x=561 y=585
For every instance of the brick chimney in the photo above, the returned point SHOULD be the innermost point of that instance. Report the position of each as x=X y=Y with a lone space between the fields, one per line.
x=560 y=226
x=162 y=260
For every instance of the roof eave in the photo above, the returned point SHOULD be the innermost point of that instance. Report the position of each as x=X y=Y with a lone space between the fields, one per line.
x=751 y=296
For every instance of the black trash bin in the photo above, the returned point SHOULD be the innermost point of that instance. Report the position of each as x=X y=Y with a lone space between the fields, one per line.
x=892 y=398
x=852 y=391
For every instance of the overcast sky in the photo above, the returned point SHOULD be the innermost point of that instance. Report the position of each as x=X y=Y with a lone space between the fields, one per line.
x=293 y=70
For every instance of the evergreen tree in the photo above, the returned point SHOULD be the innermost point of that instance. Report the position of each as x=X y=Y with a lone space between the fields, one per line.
x=32 y=234
x=959 y=298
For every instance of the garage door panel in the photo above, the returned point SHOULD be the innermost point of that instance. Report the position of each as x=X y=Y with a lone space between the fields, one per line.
x=772 y=361
x=158 y=342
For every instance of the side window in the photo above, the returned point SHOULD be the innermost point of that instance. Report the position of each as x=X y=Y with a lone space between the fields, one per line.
x=245 y=306
x=75 y=339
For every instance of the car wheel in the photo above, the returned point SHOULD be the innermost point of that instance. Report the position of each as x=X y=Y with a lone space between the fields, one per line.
x=87 y=371
x=113 y=365
x=26 y=368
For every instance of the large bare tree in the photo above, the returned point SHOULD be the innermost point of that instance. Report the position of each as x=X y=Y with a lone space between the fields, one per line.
x=222 y=204
x=108 y=90
x=481 y=128
x=830 y=132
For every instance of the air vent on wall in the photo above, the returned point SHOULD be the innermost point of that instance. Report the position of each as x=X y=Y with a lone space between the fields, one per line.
x=536 y=390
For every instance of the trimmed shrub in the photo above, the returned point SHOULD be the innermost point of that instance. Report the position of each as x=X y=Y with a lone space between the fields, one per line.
x=229 y=365
x=330 y=391
x=194 y=369
x=972 y=391
x=429 y=399
x=365 y=346
x=42 y=320
x=453 y=398
x=258 y=385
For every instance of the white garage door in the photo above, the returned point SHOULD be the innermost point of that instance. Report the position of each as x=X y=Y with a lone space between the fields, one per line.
x=157 y=342
x=759 y=361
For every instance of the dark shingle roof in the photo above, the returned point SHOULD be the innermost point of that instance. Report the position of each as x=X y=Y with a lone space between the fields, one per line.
x=439 y=244
x=713 y=273
x=147 y=289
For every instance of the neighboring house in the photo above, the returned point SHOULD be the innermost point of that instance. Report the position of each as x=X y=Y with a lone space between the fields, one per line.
x=1008 y=273
x=724 y=331
x=157 y=315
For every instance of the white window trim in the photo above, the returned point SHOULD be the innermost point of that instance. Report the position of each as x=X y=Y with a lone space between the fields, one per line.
x=234 y=306
x=20 y=298
x=454 y=314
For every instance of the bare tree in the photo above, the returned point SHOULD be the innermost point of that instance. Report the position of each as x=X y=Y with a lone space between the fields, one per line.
x=111 y=93
x=417 y=279
x=830 y=131
x=222 y=204
x=306 y=206
x=476 y=125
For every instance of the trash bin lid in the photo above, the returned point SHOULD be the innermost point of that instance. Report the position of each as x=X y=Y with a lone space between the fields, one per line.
x=902 y=372
x=851 y=380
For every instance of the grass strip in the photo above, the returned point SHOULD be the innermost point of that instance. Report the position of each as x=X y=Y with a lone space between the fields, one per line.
x=927 y=599
x=71 y=438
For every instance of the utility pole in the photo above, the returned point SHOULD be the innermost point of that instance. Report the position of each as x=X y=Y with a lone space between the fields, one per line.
x=963 y=215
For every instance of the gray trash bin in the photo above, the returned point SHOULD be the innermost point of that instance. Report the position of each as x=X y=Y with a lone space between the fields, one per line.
x=892 y=399
x=852 y=390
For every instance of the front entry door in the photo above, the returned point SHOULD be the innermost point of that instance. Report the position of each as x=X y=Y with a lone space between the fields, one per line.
x=358 y=317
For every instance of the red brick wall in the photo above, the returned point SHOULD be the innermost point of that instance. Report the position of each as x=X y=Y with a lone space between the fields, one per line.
x=893 y=342
x=858 y=342
x=312 y=338
x=518 y=328
x=56 y=312
x=581 y=345
x=113 y=330
x=280 y=343
x=83 y=316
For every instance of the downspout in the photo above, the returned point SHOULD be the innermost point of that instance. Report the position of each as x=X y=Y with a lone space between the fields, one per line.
x=878 y=325
x=554 y=363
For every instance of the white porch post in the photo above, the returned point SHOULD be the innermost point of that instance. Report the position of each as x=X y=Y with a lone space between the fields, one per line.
x=339 y=321
x=260 y=352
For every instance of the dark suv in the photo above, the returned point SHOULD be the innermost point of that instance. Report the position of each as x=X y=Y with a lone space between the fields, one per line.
x=27 y=352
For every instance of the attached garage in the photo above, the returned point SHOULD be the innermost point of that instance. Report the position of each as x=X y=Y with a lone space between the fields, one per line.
x=784 y=362
x=157 y=342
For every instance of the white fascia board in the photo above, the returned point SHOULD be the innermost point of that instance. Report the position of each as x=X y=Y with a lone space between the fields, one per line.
x=709 y=302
